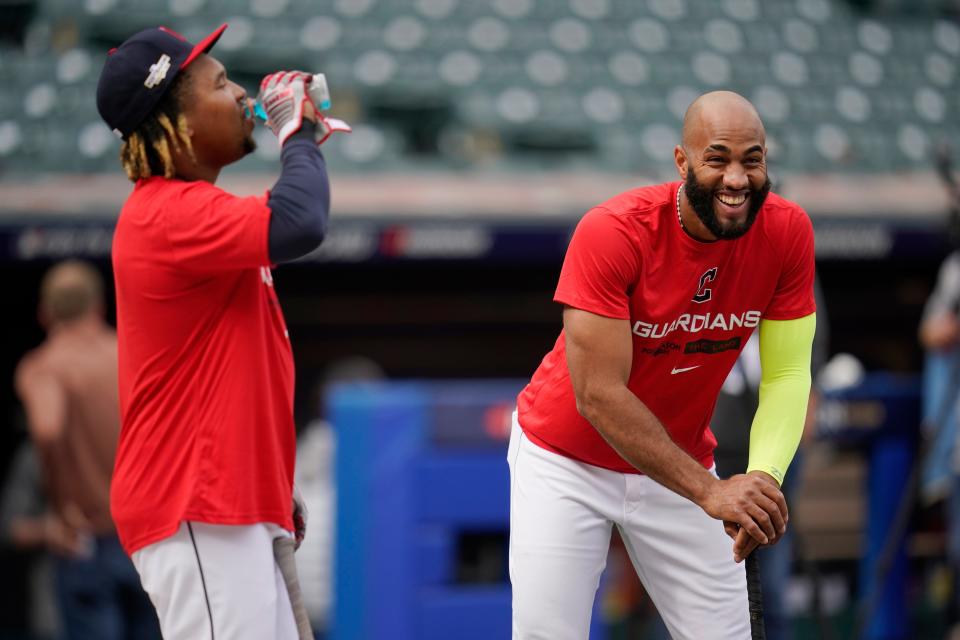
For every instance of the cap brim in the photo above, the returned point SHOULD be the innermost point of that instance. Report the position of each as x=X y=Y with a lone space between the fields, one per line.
x=204 y=45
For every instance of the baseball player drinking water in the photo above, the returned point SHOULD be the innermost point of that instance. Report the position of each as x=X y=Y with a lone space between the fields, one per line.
x=203 y=479
x=661 y=288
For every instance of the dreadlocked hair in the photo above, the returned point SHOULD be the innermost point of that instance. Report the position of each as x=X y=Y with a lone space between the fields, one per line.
x=148 y=150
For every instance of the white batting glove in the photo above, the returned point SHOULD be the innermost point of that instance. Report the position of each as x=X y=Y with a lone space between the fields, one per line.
x=319 y=95
x=327 y=126
x=282 y=96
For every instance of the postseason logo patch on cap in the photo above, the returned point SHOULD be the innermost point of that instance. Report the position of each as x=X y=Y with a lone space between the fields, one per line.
x=158 y=72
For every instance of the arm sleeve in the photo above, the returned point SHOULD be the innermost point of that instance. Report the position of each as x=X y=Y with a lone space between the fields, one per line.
x=601 y=266
x=821 y=338
x=785 y=347
x=300 y=200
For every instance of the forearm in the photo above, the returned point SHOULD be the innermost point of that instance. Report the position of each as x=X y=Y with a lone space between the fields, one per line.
x=300 y=200
x=785 y=348
x=638 y=436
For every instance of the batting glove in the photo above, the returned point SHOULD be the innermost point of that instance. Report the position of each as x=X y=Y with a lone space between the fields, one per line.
x=319 y=95
x=283 y=95
x=299 y=517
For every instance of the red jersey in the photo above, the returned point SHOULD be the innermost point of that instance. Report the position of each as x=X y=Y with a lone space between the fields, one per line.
x=206 y=369
x=691 y=307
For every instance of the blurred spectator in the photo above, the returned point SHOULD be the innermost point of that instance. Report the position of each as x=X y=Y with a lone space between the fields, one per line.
x=732 y=417
x=68 y=386
x=28 y=528
x=314 y=477
x=939 y=334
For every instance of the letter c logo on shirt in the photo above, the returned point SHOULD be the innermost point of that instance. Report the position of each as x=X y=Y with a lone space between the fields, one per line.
x=703 y=293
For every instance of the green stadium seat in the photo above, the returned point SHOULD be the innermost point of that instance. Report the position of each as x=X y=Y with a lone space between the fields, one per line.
x=604 y=78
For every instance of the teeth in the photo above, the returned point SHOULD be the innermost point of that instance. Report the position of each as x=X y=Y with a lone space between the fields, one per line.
x=733 y=201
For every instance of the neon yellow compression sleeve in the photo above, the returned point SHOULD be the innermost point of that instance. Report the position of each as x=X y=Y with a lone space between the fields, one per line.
x=785 y=347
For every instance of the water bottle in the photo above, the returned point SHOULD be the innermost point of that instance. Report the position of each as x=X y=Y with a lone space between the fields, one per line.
x=317 y=90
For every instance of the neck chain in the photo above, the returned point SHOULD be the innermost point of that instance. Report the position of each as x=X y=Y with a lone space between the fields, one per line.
x=679 y=217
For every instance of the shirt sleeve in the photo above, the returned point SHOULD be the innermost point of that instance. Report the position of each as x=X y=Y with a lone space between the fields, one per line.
x=794 y=296
x=210 y=230
x=601 y=267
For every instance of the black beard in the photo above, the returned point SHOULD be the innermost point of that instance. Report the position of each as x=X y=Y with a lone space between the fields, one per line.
x=249 y=145
x=701 y=200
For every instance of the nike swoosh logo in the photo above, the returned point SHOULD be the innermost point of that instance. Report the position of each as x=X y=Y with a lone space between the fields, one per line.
x=675 y=370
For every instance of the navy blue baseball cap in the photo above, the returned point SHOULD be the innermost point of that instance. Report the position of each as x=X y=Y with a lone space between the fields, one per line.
x=139 y=72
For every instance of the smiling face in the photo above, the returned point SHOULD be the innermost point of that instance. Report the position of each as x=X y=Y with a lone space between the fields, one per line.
x=723 y=164
x=215 y=108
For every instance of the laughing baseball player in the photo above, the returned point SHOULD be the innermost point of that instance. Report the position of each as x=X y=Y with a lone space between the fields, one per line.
x=204 y=471
x=661 y=288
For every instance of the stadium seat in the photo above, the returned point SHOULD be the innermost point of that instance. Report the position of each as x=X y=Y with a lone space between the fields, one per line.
x=843 y=91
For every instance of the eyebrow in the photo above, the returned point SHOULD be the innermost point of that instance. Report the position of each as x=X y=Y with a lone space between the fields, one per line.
x=724 y=149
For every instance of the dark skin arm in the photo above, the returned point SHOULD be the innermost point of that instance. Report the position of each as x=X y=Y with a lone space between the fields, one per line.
x=599 y=357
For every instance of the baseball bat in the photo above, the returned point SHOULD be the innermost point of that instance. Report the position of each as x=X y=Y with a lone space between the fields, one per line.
x=283 y=549
x=755 y=598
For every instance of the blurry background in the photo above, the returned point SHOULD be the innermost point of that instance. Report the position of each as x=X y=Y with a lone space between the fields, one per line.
x=482 y=131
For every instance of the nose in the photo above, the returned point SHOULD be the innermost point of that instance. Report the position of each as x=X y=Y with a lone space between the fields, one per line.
x=735 y=178
x=240 y=92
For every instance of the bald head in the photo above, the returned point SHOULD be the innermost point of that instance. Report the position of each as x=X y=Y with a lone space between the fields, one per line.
x=720 y=112
x=69 y=291
x=723 y=162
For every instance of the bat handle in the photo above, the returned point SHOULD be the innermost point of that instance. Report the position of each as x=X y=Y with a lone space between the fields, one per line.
x=283 y=549
x=755 y=598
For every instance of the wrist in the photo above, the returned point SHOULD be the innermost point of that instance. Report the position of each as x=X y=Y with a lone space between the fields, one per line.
x=703 y=488
x=760 y=473
x=306 y=131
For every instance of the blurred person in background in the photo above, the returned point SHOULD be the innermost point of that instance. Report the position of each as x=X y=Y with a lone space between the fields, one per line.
x=68 y=387
x=202 y=489
x=30 y=530
x=939 y=335
x=315 y=473
x=736 y=406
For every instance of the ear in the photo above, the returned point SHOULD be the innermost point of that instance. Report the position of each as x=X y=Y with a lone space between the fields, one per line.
x=680 y=160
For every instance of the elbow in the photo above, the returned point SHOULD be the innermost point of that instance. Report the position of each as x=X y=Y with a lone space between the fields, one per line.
x=590 y=404
x=313 y=233
x=305 y=242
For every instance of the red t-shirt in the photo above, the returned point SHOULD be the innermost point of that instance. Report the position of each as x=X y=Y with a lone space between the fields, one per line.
x=206 y=369
x=691 y=307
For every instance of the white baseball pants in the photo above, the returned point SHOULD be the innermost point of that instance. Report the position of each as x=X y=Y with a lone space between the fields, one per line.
x=561 y=517
x=217 y=582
